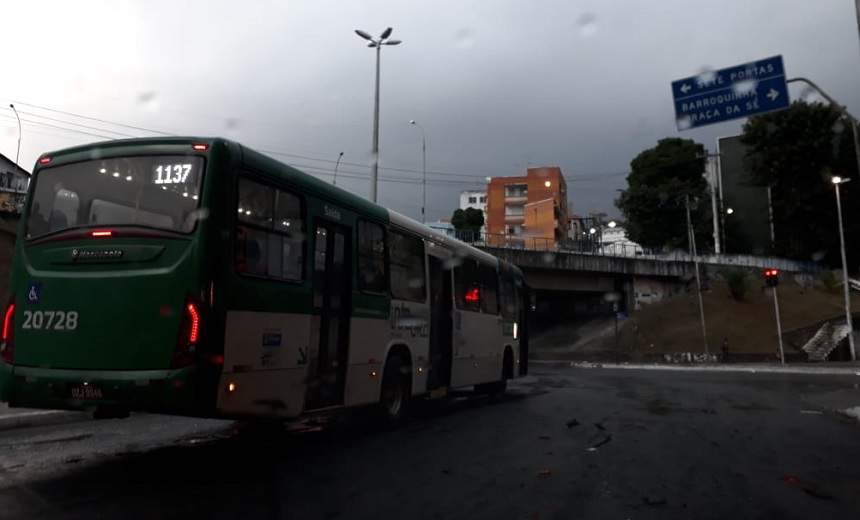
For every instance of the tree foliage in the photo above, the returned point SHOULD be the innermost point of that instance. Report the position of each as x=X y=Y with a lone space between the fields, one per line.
x=660 y=180
x=736 y=280
x=467 y=223
x=795 y=152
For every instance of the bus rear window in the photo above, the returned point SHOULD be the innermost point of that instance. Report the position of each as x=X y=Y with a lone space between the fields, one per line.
x=159 y=192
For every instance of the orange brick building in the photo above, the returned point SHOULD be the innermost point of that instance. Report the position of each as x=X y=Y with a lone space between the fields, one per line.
x=529 y=210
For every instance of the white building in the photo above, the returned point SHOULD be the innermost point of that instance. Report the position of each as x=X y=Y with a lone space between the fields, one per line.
x=615 y=242
x=475 y=199
x=14 y=182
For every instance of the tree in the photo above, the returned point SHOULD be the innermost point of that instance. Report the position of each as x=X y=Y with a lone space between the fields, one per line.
x=660 y=181
x=795 y=152
x=467 y=223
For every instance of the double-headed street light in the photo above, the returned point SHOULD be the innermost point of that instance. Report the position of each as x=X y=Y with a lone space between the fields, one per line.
x=837 y=181
x=423 y=169
x=377 y=44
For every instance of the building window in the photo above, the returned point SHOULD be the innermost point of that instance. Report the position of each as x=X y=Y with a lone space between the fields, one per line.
x=406 y=255
x=483 y=199
x=269 y=232
x=371 y=258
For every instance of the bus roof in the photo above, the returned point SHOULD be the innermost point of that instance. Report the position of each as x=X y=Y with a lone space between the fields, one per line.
x=303 y=181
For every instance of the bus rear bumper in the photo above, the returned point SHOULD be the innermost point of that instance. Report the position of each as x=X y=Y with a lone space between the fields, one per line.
x=135 y=390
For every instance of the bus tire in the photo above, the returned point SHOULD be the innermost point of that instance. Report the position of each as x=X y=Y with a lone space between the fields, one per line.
x=498 y=389
x=396 y=389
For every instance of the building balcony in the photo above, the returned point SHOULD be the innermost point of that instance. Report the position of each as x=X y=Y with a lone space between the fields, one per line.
x=514 y=219
x=516 y=198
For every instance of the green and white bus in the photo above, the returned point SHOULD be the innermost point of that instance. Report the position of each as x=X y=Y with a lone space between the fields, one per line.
x=198 y=277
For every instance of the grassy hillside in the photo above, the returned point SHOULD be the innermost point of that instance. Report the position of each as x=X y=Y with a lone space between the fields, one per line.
x=674 y=324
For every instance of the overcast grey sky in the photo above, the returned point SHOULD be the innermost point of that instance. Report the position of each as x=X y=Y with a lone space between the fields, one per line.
x=497 y=85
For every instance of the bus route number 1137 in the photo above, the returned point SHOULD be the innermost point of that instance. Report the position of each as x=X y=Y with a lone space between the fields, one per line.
x=52 y=320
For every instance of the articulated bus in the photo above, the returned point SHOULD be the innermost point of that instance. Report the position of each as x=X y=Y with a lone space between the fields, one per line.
x=198 y=277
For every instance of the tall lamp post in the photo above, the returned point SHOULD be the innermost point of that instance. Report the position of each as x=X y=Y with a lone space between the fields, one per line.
x=377 y=44
x=18 y=152
x=335 y=167
x=423 y=168
x=837 y=181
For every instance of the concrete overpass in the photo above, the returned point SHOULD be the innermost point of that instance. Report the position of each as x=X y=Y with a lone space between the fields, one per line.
x=570 y=284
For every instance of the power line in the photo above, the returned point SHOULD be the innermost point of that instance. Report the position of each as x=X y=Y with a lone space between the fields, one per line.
x=95 y=119
x=583 y=178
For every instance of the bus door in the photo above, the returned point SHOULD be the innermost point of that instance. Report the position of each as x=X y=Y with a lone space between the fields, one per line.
x=330 y=317
x=441 y=324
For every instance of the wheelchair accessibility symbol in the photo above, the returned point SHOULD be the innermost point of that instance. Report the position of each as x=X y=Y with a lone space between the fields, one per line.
x=34 y=293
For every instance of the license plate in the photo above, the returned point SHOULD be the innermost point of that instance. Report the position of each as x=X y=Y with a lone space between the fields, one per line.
x=87 y=392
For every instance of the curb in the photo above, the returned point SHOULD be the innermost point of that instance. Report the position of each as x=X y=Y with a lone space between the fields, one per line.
x=40 y=418
x=853 y=370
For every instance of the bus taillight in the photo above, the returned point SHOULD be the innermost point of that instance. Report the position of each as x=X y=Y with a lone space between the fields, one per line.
x=7 y=347
x=189 y=332
x=195 y=323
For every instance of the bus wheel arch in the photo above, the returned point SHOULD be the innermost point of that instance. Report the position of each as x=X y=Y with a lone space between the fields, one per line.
x=396 y=388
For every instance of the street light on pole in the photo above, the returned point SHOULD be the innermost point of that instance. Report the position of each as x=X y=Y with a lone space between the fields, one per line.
x=335 y=167
x=18 y=152
x=377 y=44
x=423 y=169
x=837 y=181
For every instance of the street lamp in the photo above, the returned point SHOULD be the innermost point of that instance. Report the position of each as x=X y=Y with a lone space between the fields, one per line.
x=377 y=44
x=612 y=224
x=837 y=181
x=18 y=152
x=423 y=169
x=335 y=167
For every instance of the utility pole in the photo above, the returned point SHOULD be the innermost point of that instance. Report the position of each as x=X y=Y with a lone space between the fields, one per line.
x=692 y=239
x=711 y=166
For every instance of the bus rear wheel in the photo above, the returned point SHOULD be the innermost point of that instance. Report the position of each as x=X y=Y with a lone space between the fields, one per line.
x=396 y=389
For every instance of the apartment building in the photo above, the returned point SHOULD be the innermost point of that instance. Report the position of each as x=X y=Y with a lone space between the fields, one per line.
x=528 y=210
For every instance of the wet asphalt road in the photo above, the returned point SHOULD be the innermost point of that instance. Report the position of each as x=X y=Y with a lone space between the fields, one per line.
x=566 y=443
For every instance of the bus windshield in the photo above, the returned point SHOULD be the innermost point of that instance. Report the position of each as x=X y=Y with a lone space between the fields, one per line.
x=159 y=192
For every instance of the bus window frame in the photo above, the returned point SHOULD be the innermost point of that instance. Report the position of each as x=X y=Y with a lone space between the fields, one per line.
x=252 y=176
x=386 y=291
x=405 y=234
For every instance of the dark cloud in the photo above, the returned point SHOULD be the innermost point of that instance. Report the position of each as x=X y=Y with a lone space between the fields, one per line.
x=496 y=85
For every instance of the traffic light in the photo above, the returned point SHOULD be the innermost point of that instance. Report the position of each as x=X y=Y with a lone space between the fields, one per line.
x=771 y=277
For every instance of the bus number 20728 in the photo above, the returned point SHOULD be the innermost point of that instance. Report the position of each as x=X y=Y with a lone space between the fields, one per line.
x=53 y=320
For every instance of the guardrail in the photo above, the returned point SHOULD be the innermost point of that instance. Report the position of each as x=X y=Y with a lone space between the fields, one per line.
x=593 y=247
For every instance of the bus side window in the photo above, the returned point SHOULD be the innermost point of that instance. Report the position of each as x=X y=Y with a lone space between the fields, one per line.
x=467 y=286
x=508 y=297
x=406 y=263
x=269 y=232
x=371 y=258
x=489 y=289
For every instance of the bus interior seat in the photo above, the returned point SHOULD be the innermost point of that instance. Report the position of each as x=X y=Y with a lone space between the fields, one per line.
x=59 y=220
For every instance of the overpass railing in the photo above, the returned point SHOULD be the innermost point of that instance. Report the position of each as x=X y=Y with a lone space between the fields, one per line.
x=588 y=247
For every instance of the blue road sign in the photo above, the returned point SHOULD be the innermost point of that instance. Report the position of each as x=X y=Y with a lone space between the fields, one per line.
x=622 y=315
x=731 y=93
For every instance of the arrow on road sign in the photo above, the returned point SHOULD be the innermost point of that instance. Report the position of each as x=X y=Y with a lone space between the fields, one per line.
x=773 y=94
x=685 y=88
